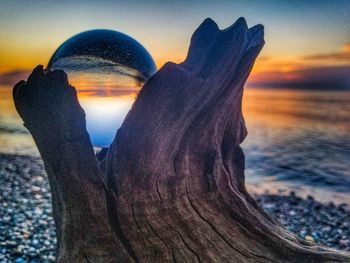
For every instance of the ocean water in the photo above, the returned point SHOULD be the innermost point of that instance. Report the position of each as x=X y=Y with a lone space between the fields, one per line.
x=296 y=139
x=299 y=139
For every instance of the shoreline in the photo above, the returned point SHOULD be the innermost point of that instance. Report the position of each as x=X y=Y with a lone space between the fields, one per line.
x=28 y=233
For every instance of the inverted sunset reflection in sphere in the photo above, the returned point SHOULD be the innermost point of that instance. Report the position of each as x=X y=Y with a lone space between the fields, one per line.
x=108 y=69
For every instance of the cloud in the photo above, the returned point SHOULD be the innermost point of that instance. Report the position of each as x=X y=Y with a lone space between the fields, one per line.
x=318 y=71
x=325 y=78
x=342 y=55
x=12 y=77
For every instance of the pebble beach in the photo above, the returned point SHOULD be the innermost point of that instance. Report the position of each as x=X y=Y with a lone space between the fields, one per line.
x=27 y=231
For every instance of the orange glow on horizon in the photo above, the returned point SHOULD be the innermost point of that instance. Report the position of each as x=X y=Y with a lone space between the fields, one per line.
x=266 y=69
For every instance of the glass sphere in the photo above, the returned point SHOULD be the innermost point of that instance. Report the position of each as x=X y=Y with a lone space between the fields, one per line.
x=108 y=69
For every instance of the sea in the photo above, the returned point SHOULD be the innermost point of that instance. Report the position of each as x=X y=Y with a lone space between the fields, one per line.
x=298 y=140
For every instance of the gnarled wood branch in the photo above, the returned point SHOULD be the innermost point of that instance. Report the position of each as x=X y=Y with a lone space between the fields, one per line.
x=171 y=186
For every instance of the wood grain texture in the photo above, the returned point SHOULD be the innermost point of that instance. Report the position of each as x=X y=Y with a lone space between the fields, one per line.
x=171 y=185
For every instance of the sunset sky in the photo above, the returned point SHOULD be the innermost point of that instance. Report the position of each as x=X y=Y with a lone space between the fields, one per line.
x=307 y=42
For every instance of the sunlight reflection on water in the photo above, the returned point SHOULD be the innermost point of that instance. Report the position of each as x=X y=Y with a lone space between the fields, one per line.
x=298 y=136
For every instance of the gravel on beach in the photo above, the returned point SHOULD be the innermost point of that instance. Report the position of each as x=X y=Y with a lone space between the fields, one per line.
x=27 y=232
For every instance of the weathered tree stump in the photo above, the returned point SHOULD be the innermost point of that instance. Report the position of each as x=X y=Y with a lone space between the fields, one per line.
x=171 y=186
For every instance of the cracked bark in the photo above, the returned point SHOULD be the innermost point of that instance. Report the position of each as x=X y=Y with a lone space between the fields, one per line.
x=170 y=188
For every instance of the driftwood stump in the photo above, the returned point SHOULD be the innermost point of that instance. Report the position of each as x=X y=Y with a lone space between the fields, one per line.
x=171 y=186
